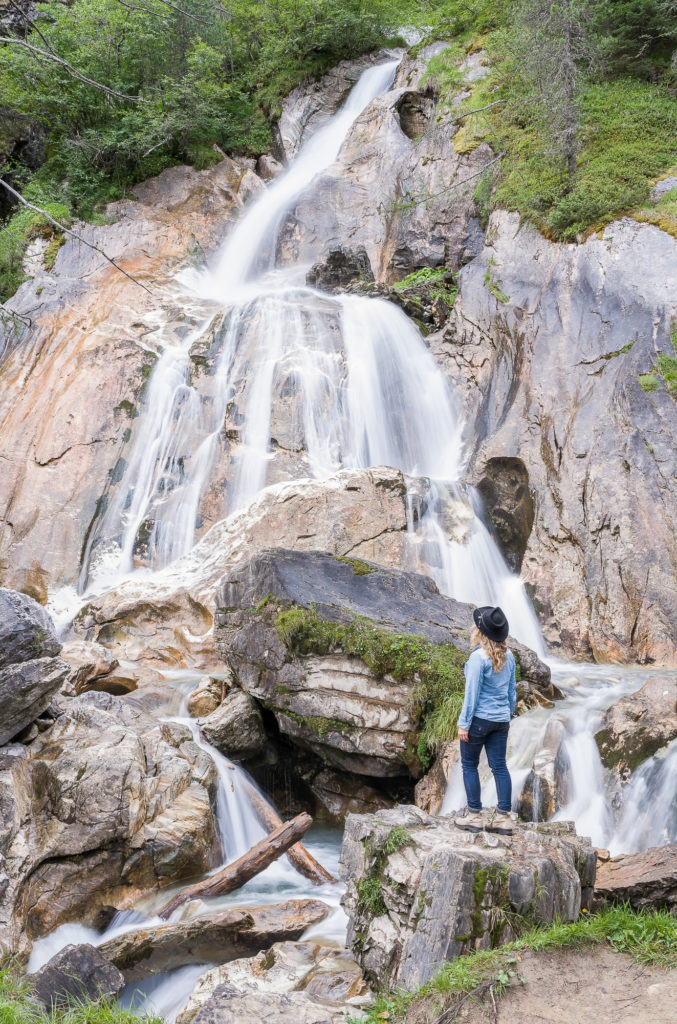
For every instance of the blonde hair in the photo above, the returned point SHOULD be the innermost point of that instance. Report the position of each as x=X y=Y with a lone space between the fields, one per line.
x=497 y=652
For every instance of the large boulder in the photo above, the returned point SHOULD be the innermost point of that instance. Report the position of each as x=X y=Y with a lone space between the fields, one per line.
x=236 y=727
x=549 y=344
x=420 y=891
x=77 y=974
x=326 y=975
x=168 y=620
x=102 y=808
x=637 y=726
x=30 y=672
x=214 y=939
x=326 y=698
x=644 y=880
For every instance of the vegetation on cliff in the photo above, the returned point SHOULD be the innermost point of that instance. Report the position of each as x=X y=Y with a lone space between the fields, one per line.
x=579 y=103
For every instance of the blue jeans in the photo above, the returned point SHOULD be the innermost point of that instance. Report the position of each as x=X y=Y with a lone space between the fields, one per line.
x=493 y=736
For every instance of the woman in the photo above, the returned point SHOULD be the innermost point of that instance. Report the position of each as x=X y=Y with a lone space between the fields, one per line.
x=489 y=704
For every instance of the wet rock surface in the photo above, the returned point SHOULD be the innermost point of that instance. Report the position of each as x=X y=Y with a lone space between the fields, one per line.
x=326 y=975
x=644 y=880
x=68 y=407
x=637 y=726
x=550 y=374
x=547 y=786
x=332 y=703
x=420 y=891
x=106 y=805
x=341 y=268
x=30 y=672
x=216 y=938
x=76 y=974
x=168 y=620
x=235 y=728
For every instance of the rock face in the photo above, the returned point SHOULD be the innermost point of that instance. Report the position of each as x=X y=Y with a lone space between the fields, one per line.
x=236 y=727
x=421 y=892
x=216 y=939
x=340 y=268
x=546 y=787
x=77 y=973
x=646 y=879
x=331 y=703
x=326 y=976
x=311 y=105
x=637 y=726
x=357 y=513
x=68 y=393
x=90 y=665
x=106 y=805
x=30 y=672
x=430 y=790
x=551 y=377
x=397 y=188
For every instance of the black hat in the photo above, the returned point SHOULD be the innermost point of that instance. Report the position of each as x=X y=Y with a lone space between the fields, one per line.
x=492 y=622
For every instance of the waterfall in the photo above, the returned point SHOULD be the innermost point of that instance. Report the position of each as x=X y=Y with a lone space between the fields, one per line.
x=335 y=382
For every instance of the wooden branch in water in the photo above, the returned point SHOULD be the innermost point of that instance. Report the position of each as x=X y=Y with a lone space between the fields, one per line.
x=252 y=863
x=67 y=231
x=303 y=861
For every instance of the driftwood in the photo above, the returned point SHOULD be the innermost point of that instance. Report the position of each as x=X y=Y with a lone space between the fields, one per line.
x=254 y=861
x=303 y=861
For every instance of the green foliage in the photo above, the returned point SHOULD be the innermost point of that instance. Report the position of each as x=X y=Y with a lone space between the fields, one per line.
x=665 y=367
x=426 y=275
x=24 y=226
x=397 y=839
x=18 y=1005
x=359 y=567
x=435 y=671
x=648 y=382
x=370 y=897
x=649 y=937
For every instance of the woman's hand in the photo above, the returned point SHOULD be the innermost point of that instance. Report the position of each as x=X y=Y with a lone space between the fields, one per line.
x=463 y=735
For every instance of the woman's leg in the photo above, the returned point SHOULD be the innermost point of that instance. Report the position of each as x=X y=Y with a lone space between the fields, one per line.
x=495 y=744
x=470 y=759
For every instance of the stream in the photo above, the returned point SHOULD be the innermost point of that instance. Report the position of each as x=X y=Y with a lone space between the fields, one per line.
x=369 y=393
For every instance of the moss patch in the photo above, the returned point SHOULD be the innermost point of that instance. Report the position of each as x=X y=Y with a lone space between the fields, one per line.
x=434 y=671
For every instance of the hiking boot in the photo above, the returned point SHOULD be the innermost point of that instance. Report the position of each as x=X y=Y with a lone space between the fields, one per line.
x=501 y=822
x=471 y=821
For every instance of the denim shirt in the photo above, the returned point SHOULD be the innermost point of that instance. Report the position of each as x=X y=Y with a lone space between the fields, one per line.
x=488 y=694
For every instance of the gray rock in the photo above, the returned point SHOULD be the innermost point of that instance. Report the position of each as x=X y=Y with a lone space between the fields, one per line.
x=546 y=787
x=332 y=703
x=26 y=630
x=662 y=187
x=104 y=807
x=339 y=269
x=229 y=1006
x=216 y=938
x=637 y=726
x=29 y=673
x=236 y=727
x=75 y=974
x=441 y=892
x=644 y=880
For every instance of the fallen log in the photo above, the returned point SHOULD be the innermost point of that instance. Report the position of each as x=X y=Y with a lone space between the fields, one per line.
x=303 y=861
x=250 y=864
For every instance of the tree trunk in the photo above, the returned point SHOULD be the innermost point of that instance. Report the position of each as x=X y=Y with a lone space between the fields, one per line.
x=303 y=861
x=254 y=861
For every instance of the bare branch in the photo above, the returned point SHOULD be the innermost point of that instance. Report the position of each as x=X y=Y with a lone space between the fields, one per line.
x=70 y=69
x=73 y=234
x=454 y=185
x=477 y=110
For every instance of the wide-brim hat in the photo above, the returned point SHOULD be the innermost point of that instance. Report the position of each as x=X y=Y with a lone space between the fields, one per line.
x=492 y=622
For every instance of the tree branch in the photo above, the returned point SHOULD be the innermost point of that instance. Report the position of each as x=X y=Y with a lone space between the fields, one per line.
x=477 y=110
x=456 y=184
x=73 y=234
x=70 y=69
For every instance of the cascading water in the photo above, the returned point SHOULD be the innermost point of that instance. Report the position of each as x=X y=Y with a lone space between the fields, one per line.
x=346 y=381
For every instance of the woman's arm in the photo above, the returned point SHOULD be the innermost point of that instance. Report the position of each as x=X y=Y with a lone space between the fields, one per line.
x=512 y=687
x=473 y=676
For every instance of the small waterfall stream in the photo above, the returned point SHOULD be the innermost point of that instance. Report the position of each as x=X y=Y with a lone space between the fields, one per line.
x=364 y=391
